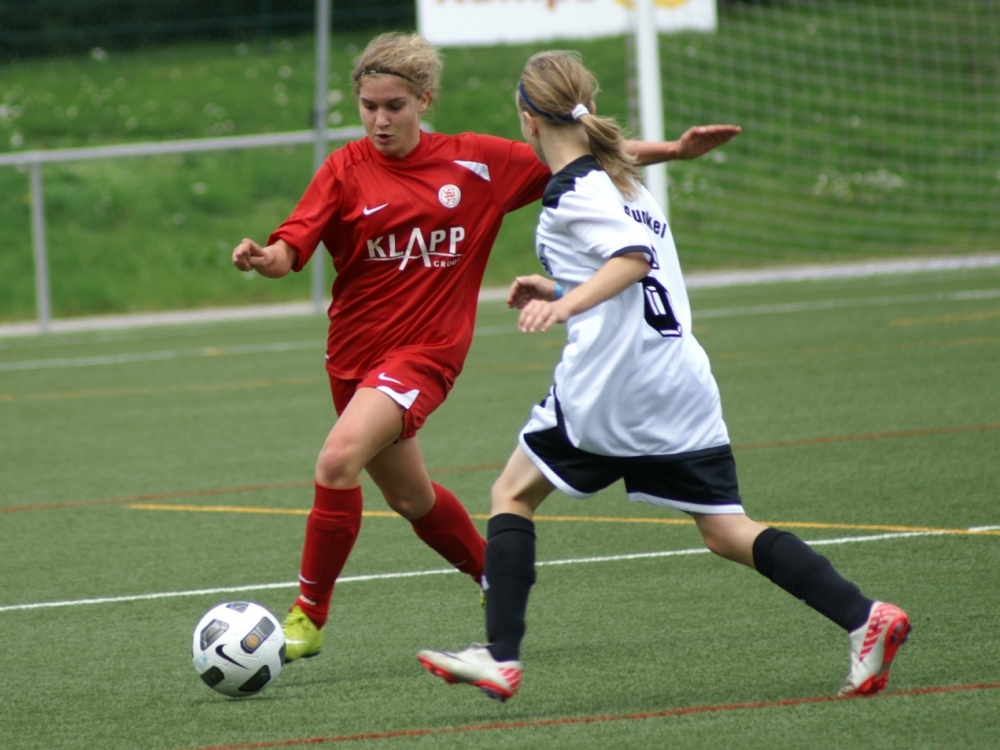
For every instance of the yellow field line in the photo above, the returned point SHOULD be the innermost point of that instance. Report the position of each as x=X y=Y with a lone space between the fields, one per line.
x=973 y=317
x=580 y=519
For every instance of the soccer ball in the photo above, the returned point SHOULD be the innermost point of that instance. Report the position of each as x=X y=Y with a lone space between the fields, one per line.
x=238 y=648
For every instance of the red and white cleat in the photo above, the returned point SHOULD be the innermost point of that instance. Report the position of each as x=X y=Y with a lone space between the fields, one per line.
x=475 y=666
x=873 y=647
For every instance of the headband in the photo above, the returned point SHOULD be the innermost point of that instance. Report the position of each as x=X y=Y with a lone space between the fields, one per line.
x=386 y=72
x=578 y=111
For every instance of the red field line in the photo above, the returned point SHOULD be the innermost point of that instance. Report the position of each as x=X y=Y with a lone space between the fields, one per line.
x=495 y=467
x=597 y=719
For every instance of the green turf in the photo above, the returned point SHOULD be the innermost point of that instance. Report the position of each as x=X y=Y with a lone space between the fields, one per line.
x=867 y=132
x=901 y=374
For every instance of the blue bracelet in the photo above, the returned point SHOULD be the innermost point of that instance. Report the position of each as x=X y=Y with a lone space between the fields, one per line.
x=559 y=291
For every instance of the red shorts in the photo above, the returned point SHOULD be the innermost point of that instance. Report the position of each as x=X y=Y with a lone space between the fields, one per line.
x=416 y=384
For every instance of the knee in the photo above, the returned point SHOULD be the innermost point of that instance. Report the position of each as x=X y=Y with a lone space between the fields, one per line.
x=712 y=536
x=412 y=504
x=336 y=469
x=729 y=536
x=506 y=497
x=718 y=544
x=502 y=497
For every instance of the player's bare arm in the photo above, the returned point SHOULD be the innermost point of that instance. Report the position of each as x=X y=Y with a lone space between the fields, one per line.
x=695 y=142
x=615 y=276
x=526 y=288
x=273 y=261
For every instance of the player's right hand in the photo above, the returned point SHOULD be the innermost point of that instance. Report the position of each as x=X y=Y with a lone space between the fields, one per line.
x=245 y=252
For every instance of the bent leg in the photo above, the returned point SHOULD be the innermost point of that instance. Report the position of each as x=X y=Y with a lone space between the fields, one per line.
x=510 y=553
x=437 y=517
x=787 y=561
x=796 y=567
x=369 y=422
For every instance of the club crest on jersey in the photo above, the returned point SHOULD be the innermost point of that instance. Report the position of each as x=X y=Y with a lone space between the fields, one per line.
x=450 y=196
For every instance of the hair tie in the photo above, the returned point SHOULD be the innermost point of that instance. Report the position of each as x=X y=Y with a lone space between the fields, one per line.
x=579 y=111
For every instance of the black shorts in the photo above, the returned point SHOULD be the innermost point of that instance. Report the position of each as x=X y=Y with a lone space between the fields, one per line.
x=702 y=481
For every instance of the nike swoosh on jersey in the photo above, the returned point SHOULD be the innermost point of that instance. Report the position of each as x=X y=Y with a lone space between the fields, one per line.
x=383 y=376
x=369 y=211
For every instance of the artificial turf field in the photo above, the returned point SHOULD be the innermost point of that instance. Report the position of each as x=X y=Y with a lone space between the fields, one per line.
x=146 y=475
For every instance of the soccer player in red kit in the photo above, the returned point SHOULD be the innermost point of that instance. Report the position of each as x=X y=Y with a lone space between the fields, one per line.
x=409 y=218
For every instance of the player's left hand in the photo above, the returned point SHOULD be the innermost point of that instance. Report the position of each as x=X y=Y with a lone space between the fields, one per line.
x=540 y=315
x=701 y=139
x=526 y=288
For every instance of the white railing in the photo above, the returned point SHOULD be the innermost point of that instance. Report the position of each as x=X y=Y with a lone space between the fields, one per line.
x=320 y=136
x=34 y=160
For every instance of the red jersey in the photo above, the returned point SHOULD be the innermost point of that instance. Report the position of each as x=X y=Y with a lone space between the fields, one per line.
x=409 y=239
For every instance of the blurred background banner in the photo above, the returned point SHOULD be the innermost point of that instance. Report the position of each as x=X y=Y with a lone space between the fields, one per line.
x=509 y=21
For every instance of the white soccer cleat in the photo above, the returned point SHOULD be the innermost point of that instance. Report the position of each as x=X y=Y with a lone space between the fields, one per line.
x=475 y=666
x=873 y=647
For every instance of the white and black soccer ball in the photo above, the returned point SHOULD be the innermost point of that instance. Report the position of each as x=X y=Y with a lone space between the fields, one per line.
x=238 y=648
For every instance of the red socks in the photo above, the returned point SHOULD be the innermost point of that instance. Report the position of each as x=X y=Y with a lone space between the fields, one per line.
x=333 y=526
x=449 y=531
x=331 y=529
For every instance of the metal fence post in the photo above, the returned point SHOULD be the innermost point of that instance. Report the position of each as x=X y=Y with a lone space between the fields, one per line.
x=319 y=152
x=43 y=299
x=651 y=95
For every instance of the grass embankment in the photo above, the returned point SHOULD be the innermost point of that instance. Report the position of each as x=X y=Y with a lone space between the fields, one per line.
x=847 y=152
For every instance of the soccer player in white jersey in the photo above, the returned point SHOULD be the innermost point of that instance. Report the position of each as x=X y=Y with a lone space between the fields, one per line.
x=634 y=397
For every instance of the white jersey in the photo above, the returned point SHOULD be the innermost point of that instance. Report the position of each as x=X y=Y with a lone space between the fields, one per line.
x=632 y=381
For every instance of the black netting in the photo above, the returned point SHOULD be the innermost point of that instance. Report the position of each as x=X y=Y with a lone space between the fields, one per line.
x=33 y=28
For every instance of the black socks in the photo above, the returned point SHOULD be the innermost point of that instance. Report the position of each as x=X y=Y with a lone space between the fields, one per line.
x=779 y=556
x=510 y=574
x=792 y=564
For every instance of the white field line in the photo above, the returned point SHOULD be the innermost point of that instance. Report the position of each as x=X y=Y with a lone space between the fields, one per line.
x=225 y=351
x=120 y=359
x=828 y=271
x=704 y=280
x=421 y=573
x=833 y=304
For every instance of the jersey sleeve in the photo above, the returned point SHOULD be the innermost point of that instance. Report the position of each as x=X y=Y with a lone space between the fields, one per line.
x=517 y=176
x=601 y=226
x=318 y=206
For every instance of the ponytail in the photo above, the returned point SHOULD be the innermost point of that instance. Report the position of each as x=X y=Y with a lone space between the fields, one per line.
x=556 y=85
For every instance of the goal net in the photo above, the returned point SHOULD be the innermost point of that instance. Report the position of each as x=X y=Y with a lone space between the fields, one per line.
x=870 y=128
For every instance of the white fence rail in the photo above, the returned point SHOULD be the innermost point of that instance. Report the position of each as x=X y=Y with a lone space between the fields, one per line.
x=320 y=136
x=34 y=160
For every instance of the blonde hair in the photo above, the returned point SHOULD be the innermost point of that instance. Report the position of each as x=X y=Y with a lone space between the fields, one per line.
x=410 y=57
x=553 y=84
